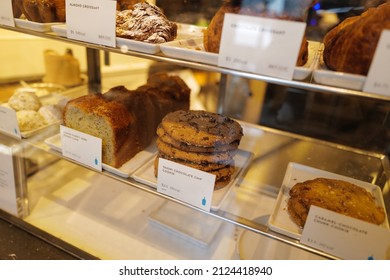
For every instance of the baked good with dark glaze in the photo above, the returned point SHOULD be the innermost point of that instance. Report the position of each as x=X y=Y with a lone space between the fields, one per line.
x=350 y=46
x=42 y=11
x=201 y=128
x=202 y=140
x=126 y=4
x=163 y=136
x=213 y=33
x=336 y=195
x=17 y=8
x=126 y=120
x=146 y=23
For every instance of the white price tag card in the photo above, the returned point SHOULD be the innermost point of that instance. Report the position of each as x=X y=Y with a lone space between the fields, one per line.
x=81 y=147
x=378 y=77
x=9 y=122
x=187 y=184
x=345 y=237
x=6 y=13
x=8 y=201
x=258 y=45
x=91 y=21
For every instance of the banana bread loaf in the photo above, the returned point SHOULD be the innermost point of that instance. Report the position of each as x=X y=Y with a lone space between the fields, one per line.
x=126 y=120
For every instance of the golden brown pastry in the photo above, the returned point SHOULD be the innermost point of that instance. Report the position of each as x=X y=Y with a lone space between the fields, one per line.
x=126 y=120
x=42 y=10
x=146 y=23
x=213 y=33
x=335 y=195
x=126 y=4
x=17 y=8
x=350 y=46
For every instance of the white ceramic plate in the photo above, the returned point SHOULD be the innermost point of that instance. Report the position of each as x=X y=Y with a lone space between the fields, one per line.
x=126 y=169
x=35 y=26
x=242 y=159
x=46 y=99
x=193 y=50
x=184 y=31
x=280 y=220
x=323 y=75
x=122 y=43
x=133 y=45
x=59 y=29
x=189 y=49
x=186 y=223
x=187 y=31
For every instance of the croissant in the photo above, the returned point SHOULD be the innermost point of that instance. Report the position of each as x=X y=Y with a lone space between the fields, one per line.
x=350 y=46
x=42 y=10
x=126 y=4
x=17 y=8
x=213 y=33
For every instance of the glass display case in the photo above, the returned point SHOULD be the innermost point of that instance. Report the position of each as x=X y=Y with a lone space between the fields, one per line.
x=317 y=123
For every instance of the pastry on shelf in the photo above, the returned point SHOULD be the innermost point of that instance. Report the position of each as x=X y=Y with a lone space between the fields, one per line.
x=213 y=33
x=126 y=120
x=125 y=4
x=202 y=140
x=350 y=46
x=24 y=99
x=17 y=8
x=146 y=23
x=29 y=120
x=336 y=195
x=43 y=11
x=31 y=113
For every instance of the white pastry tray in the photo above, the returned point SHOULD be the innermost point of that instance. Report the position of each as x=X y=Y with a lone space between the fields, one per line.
x=184 y=31
x=126 y=169
x=280 y=220
x=145 y=175
x=28 y=133
x=184 y=222
x=323 y=75
x=35 y=26
x=193 y=50
x=48 y=99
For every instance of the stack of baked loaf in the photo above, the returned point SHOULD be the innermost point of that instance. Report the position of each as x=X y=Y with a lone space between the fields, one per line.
x=126 y=120
x=201 y=140
x=350 y=46
x=336 y=195
x=40 y=10
x=213 y=33
x=145 y=22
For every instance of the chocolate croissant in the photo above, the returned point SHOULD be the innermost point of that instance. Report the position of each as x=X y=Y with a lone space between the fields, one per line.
x=350 y=46
x=42 y=10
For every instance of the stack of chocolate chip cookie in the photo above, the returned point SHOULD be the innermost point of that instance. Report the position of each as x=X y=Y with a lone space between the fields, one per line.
x=201 y=140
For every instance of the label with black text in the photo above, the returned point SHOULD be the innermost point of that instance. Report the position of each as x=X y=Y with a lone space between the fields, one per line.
x=185 y=184
x=9 y=122
x=81 y=147
x=258 y=45
x=91 y=21
x=378 y=77
x=6 y=13
x=8 y=200
x=345 y=237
